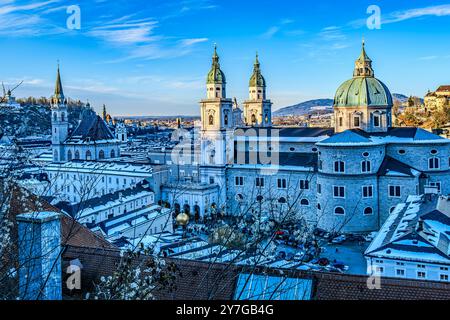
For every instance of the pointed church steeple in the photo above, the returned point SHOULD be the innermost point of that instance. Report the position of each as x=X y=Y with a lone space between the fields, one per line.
x=104 y=114
x=59 y=94
x=363 y=65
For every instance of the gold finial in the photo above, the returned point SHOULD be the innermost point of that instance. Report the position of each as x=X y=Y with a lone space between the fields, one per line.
x=182 y=219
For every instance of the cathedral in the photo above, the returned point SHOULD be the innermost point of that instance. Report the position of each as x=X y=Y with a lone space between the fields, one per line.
x=347 y=178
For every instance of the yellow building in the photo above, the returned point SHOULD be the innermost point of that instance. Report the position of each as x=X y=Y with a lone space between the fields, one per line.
x=438 y=100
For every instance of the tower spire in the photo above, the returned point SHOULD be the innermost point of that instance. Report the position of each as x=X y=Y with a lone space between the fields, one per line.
x=363 y=65
x=59 y=94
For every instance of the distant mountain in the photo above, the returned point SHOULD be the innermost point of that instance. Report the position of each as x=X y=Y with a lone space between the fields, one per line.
x=400 y=97
x=307 y=106
x=303 y=107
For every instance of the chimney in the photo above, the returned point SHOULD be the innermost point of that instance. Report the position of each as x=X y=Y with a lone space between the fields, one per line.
x=40 y=256
x=420 y=223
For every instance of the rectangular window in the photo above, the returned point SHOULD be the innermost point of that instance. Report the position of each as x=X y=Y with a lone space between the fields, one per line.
x=421 y=275
x=340 y=122
x=260 y=182
x=436 y=184
x=211 y=180
x=239 y=181
x=339 y=192
x=365 y=166
x=394 y=191
x=400 y=272
x=319 y=188
x=304 y=185
x=339 y=166
x=433 y=163
x=443 y=277
x=367 y=191
x=282 y=183
x=376 y=121
x=356 y=121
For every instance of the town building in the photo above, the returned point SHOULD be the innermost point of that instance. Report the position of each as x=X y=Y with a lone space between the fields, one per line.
x=438 y=100
x=414 y=241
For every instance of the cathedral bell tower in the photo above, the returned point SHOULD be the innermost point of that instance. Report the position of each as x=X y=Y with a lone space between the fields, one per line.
x=257 y=109
x=216 y=117
x=60 y=123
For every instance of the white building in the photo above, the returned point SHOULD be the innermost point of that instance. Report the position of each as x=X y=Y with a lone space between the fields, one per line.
x=414 y=242
x=75 y=181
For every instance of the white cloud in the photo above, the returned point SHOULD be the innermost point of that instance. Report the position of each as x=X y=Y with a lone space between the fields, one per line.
x=437 y=11
x=270 y=32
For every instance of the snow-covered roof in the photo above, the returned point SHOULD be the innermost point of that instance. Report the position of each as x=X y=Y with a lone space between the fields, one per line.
x=357 y=137
x=105 y=168
x=418 y=230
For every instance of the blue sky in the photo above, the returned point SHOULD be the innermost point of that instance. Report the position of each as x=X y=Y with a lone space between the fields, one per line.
x=152 y=57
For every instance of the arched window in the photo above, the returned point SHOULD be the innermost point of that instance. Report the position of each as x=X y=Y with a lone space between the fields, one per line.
x=266 y=118
x=69 y=155
x=113 y=153
x=319 y=207
x=101 y=154
x=433 y=163
x=88 y=155
x=77 y=155
x=304 y=202
x=253 y=119
x=55 y=155
x=259 y=198
x=282 y=200
x=365 y=166
x=339 y=211
x=211 y=120
x=239 y=197
x=368 y=211
x=225 y=119
x=54 y=116
x=63 y=117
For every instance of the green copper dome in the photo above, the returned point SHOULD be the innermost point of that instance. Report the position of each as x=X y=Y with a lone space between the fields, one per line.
x=363 y=89
x=215 y=75
x=257 y=79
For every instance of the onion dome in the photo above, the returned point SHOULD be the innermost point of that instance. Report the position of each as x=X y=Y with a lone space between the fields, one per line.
x=215 y=75
x=257 y=79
